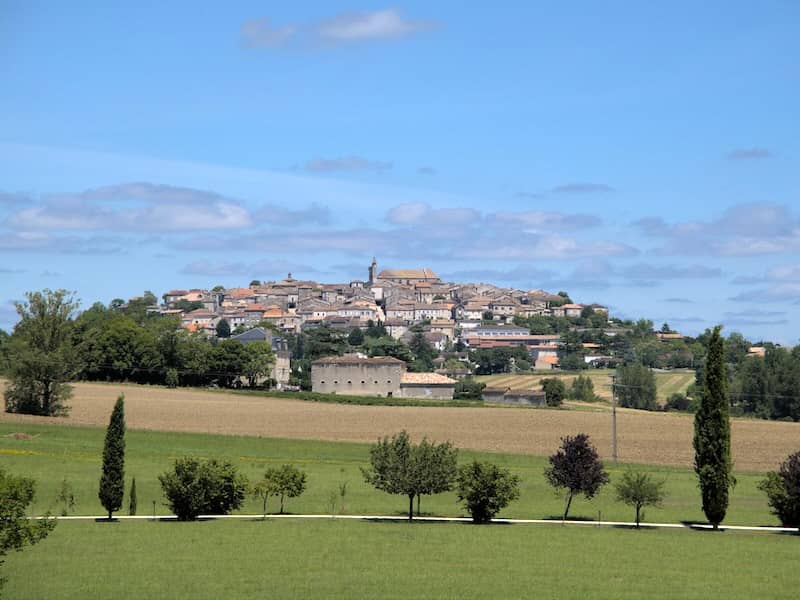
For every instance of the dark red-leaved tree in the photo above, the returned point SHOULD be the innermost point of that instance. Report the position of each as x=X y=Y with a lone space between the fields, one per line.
x=576 y=468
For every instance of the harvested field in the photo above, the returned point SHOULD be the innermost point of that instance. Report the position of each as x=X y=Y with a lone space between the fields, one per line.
x=667 y=382
x=651 y=438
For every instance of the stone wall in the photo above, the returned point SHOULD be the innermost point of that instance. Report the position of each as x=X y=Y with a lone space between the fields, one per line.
x=357 y=379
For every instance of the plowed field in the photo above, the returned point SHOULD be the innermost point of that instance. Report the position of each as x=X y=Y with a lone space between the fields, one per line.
x=654 y=438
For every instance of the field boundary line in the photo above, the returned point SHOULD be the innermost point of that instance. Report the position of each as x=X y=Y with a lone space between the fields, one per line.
x=398 y=518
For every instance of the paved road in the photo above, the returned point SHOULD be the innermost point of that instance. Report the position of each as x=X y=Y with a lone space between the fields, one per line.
x=699 y=526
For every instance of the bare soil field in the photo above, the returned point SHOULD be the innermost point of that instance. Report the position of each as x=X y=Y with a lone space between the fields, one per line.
x=651 y=438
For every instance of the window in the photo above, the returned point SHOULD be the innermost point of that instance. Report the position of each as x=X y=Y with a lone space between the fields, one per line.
x=363 y=382
x=322 y=382
x=349 y=383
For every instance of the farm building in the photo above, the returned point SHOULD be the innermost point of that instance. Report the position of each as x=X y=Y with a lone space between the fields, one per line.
x=378 y=376
x=505 y=395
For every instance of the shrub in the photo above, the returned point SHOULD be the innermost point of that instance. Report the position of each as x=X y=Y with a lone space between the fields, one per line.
x=554 y=391
x=194 y=487
x=680 y=402
x=783 y=491
x=468 y=389
x=485 y=489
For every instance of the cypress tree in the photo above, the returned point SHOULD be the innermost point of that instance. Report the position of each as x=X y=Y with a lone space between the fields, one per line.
x=133 y=500
x=712 y=435
x=112 y=480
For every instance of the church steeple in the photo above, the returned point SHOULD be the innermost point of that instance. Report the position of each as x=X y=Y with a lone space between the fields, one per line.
x=373 y=271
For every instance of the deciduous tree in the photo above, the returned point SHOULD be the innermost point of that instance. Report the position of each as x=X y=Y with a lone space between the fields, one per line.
x=636 y=387
x=40 y=354
x=399 y=467
x=639 y=489
x=485 y=489
x=16 y=529
x=576 y=468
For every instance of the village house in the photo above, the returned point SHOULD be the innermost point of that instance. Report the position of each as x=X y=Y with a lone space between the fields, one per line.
x=201 y=316
x=573 y=310
x=281 y=369
x=446 y=327
x=432 y=311
x=503 y=307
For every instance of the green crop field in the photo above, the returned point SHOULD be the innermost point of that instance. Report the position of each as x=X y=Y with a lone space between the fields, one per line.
x=667 y=382
x=50 y=453
x=356 y=559
x=346 y=559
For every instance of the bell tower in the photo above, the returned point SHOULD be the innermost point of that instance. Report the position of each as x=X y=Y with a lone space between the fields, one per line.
x=373 y=271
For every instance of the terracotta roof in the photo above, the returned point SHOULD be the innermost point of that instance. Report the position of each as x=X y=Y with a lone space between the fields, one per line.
x=255 y=308
x=566 y=306
x=425 y=379
x=407 y=274
x=200 y=312
x=177 y=293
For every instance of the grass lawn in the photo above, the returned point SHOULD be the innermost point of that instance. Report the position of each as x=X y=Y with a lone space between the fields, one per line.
x=337 y=559
x=53 y=452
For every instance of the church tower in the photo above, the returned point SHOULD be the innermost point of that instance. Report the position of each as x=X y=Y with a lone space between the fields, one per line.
x=373 y=271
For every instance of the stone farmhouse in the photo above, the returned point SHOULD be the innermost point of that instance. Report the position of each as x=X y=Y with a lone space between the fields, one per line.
x=384 y=376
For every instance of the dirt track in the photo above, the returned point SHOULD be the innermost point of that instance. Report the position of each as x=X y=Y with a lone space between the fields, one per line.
x=654 y=438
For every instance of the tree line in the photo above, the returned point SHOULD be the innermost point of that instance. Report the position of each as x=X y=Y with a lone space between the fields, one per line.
x=53 y=344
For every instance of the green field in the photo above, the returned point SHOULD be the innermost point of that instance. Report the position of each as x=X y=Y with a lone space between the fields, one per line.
x=52 y=452
x=667 y=382
x=337 y=559
x=325 y=558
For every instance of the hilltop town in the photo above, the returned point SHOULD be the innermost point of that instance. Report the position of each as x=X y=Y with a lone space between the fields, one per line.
x=476 y=315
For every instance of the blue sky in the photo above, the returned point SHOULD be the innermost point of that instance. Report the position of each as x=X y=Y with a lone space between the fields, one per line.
x=641 y=155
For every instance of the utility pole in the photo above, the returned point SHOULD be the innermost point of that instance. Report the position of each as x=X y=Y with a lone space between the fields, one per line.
x=614 y=419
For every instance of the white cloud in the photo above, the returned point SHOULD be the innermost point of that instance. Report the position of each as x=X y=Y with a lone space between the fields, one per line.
x=148 y=207
x=345 y=163
x=544 y=221
x=422 y=215
x=256 y=269
x=259 y=33
x=345 y=28
x=743 y=230
x=582 y=188
x=749 y=154
x=378 y=25
x=39 y=241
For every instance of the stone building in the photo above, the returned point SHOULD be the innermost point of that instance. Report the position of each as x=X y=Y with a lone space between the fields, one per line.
x=356 y=376
x=505 y=395
x=281 y=370
x=427 y=385
x=379 y=376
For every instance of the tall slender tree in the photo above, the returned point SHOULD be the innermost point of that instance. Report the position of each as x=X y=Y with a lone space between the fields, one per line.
x=712 y=434
x=112 y=480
